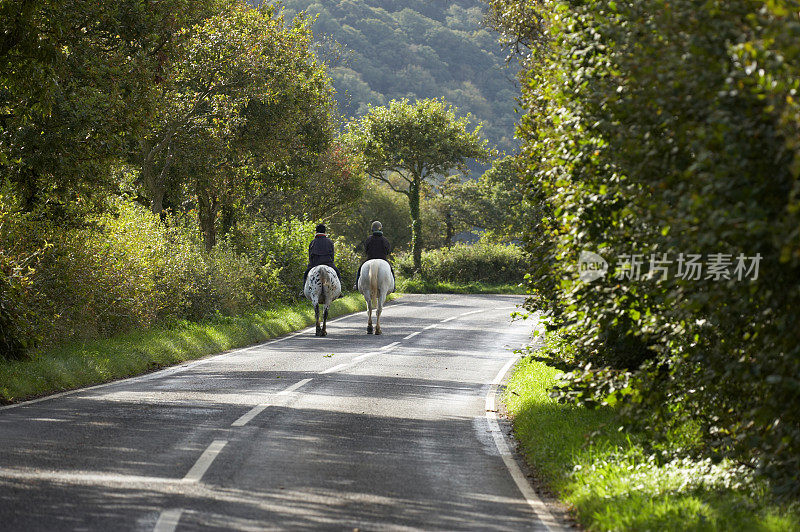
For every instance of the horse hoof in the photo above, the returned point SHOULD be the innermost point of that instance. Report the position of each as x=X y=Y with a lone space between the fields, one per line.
x=369 y=330
x=378 y=331
x=324 y=333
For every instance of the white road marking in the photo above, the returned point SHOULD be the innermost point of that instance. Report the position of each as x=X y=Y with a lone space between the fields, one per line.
x=178 y=368
x=430 y=326
x=204 y=462
x=507 y=308
x=538 y=506
x=448 y=319
x=499 y=378
x=470 y=313
x=413 y=385
x=389 y=346
x=410 y=336
x=83 y=477
x=245 y=419
x=256 y=410
x=365 y=356
x=168 y=520
x=334 y=368
x=294 y=386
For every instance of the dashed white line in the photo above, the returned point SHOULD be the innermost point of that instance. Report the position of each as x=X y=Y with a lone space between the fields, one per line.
x=448 y=319
x=389 y=346
x=294 y=387
x=365 y=356
x=245 y=419
x=430 y=326
x=334 y=369
x=168 y=520
x=256 y=410
x=84 y=477
x=410 y=336
x=470 y=313
x=204 y=462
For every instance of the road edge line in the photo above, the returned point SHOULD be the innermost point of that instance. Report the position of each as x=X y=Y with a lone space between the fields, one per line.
x=504 y=446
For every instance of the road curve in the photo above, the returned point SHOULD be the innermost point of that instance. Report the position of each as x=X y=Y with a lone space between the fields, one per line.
x=351 y=431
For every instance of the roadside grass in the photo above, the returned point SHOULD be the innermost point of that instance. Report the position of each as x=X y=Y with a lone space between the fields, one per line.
x=81 y=364
x=416 y=285
x=611 y=483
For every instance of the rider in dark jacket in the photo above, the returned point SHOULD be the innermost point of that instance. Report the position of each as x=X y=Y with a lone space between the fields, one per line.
x=376 y=246
x=320 y=251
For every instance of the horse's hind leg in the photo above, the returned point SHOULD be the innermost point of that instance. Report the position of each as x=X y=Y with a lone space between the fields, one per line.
x=325 y=322
x=316 y=315
x=378 y=314
x=369 y=313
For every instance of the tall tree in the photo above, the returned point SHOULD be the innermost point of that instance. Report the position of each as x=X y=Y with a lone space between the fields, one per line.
x=247 y=110
x=76 y=83
x=454 y=201
x=408 y=145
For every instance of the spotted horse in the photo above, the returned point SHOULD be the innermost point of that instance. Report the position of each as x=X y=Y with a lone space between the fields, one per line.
x=321 y=288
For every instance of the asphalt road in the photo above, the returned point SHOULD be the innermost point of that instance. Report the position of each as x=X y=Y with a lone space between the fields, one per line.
x=350 y=431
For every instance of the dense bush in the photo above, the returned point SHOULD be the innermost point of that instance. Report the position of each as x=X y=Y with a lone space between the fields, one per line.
x=284 y=247
x=16 y=332
x=129 y=268
x=483 y=262
x=656 y=130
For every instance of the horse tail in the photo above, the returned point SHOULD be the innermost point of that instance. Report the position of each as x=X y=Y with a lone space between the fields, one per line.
x=373 y=282
x=323 y=280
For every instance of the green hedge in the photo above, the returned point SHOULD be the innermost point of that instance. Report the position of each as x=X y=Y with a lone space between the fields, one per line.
x=128 y=269
x=483 y=262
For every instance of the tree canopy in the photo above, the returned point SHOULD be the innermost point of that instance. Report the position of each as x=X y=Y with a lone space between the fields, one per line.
x=409 y=145
x=214 y=116
x=77 y=82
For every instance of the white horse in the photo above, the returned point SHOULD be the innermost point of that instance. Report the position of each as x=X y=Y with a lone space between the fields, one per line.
x=322 y=287
x=375 y=282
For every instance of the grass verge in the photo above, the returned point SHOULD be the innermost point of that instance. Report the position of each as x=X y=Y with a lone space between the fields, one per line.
x=421 y=286
x=76 y=365
x=611 y=482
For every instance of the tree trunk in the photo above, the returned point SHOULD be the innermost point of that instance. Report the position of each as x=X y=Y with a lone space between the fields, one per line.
x=448 y=227
x=416 y=225
x=207 y=207
x=157 y=200
x=155 y=184
x=228 y=218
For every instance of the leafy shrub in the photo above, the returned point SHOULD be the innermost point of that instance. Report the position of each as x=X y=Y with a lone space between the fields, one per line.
x=16 y=322
x=284 y=249
x=464 y=263
x=128 y=269
x=348 y=260
x=660 y=132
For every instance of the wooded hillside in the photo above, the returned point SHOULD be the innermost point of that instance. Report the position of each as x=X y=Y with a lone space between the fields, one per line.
x=413 y=49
